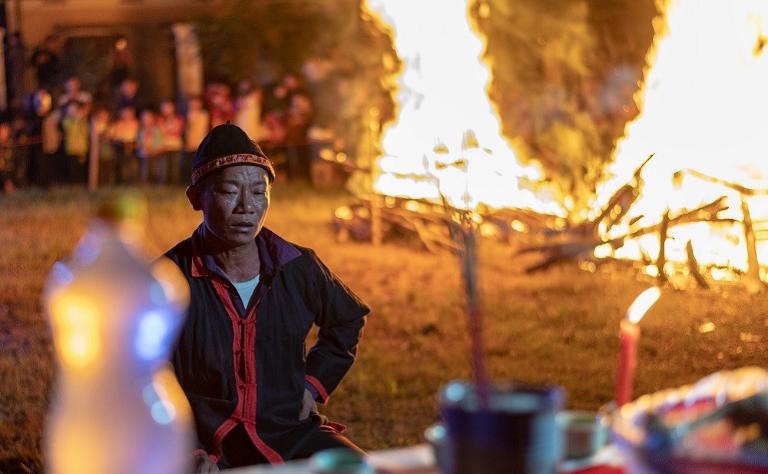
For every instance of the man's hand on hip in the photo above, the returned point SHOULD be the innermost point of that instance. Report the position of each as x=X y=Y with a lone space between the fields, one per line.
x=204 y=465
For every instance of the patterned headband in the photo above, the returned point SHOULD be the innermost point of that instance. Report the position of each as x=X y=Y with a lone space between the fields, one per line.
x=237 y=159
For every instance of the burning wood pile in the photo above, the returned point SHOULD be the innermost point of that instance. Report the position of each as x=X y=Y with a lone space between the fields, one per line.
x=376 y=217
x=557 y=240
x=585 y=241
x=696 y=211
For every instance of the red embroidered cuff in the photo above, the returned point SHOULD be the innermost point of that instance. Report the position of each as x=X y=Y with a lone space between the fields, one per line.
x=321 y=391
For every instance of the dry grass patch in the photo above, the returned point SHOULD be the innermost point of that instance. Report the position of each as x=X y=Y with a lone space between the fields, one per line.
x=555 y=327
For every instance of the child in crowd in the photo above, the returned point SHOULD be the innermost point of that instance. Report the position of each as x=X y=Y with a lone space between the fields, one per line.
x=6 y=158
x=149 y=149
x=123 y=134
x=172 y=127
x=21 y=169
x=74 y=127
x=73 y=91
x=297 y=120
x=198 y=123
x=100 y=131
x=51 y=144
x=248 y=109
x=38 y=166
x=219 y=100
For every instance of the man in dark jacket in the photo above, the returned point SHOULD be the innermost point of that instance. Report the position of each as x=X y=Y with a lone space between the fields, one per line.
x=241 y=356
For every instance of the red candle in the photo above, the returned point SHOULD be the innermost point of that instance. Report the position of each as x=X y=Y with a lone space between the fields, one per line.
x=629 y=335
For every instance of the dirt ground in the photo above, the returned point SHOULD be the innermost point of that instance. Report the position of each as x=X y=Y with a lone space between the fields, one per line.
x=557 y=327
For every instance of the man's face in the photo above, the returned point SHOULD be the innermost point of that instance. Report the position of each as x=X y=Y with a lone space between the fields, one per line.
x=234 y=201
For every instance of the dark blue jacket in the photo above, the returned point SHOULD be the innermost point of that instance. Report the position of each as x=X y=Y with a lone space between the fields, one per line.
x=247 y=364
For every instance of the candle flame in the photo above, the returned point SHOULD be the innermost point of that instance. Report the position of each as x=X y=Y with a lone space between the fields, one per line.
x=642 y=304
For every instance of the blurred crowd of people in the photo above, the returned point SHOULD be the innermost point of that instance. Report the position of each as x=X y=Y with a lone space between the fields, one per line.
x=51 y=138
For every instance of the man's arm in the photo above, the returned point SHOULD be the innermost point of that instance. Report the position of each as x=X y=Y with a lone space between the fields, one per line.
x=340 y=314
x=331 y=357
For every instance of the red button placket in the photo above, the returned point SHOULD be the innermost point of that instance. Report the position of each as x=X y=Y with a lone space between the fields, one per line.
x=244 y=359
x=249 y=365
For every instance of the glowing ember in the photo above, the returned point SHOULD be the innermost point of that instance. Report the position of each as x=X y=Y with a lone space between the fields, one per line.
x=447 y=137
x=703 y=106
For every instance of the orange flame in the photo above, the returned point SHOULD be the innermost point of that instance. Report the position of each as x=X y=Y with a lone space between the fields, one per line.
x=447 y=138
x=703 y=108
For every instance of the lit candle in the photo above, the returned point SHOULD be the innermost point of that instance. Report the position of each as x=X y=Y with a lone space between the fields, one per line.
x=629 y=335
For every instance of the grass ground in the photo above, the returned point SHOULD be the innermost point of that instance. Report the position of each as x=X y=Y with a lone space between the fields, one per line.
x=554 y=327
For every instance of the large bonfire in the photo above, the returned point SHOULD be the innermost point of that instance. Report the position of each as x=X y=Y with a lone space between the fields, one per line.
x=446 y=138
x=702 y=113
x=697 y=206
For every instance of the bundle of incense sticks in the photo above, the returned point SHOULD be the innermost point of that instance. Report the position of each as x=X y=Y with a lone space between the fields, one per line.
x=463 y=233
x=468 y=256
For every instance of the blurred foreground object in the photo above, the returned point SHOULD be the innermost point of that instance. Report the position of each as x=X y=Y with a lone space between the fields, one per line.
x=339 y=461
x=629 y=337
x=117 y=407
x=515 y=431
x=719 y=425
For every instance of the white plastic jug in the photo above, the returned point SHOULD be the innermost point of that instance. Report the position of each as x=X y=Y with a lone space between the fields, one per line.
x=117 y=406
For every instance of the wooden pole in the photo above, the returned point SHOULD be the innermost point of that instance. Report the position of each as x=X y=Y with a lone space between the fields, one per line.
x=376 y=229
x=4 y=99
x=662 y=259
x=752 y=278
x=693 y=266
x=475 y=318
x=707 y=212
x=93 y=158
x=376 y=200
x=728 y=184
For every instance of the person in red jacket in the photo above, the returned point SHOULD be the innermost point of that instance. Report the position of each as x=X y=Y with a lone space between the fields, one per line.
x=241 y=356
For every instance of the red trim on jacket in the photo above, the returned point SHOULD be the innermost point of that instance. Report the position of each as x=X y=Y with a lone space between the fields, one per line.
x=321 y=391
x=334 y=427
x=198 y=267
x=243 y=342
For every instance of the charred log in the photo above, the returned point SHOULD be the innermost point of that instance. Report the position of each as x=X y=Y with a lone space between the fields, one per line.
x=752 y=278
x=743 y=190
x=661 y=261
x=693 y=266
x=572 y=247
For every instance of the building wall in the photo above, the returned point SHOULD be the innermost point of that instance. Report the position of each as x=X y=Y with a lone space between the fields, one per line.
x=42 y=17
x=85 y=26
